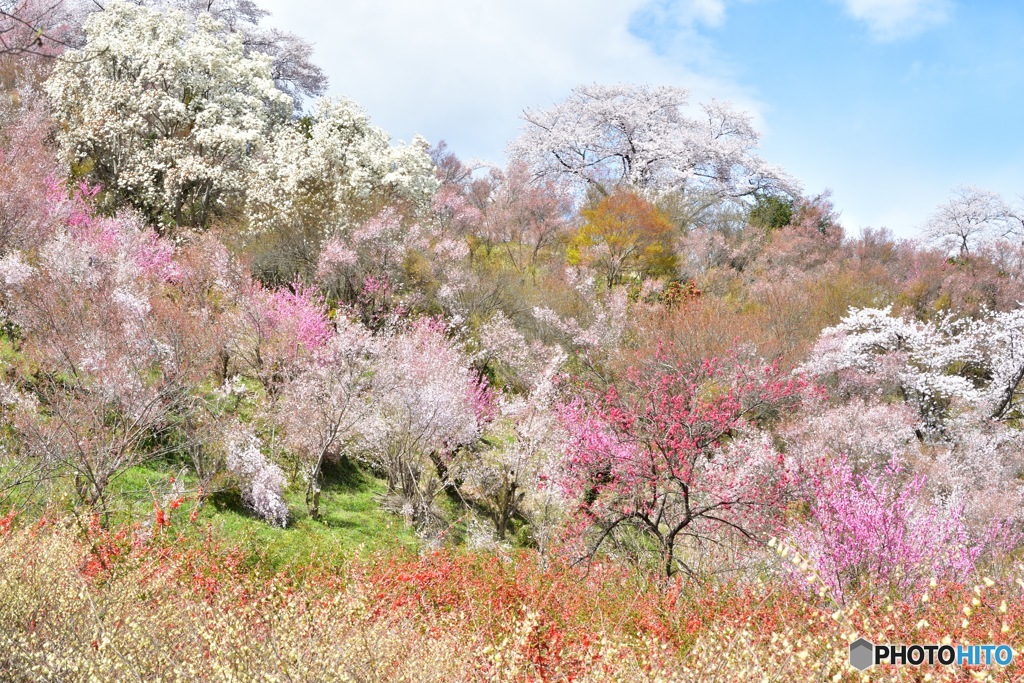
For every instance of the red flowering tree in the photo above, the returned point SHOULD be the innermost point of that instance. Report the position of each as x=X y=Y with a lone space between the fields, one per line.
x=674 y=452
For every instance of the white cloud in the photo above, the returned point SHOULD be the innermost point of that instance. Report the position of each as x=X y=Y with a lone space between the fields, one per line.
x=463 y=70
x=894 y=19
x=710 y=12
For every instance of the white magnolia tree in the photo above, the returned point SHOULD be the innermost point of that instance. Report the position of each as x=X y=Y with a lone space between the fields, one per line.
x=324 y=175
x=165 y=112
x=291 y=57
x=649 y=138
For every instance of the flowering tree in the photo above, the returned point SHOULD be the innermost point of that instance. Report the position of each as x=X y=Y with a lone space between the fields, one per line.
x=971 y=218
x=34 y=27
x=322 y=406
x=427 y=408
x=509 y=480
x=978 y=362
x=166 y=113
x=640 y=135
x=518 y=363
x=373 y=252
x=324 y=175
x=29 y=208
x=595 y=332
x=518 y=217
x=868 y=434
x=108 y=378
x=261 y=480
x=880 y=531
x=291 y=67
x=276 y=328
x=664 y=455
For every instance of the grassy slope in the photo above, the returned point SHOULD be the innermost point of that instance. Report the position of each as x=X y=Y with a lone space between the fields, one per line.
x=352 y=521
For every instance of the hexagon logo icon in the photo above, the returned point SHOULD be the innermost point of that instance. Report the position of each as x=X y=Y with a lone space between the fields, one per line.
x=862 y=654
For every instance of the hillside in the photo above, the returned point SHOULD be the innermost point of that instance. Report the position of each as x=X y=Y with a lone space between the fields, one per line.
x=284 y=400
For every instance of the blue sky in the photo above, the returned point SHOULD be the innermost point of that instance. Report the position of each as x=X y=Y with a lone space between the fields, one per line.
x=890 y=103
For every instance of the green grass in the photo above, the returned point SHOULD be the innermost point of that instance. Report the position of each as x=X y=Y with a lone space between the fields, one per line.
x=351 y=524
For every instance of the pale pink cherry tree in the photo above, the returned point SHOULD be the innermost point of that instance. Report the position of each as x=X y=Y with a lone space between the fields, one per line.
x=517 y=362
x=813 y=242
x=40 y=28
x=662 y=457
x=594 y=329
x=107 y=382
x=389 y=261
x=510 y=479
x=869 y=434
x=523 y=217
x=323 y=406
x=428 y=409
x=376 y=248
x=970 y=219
x=31 y=202
x=978 y=463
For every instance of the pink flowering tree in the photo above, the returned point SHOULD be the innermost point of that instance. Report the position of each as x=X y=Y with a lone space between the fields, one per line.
x=322 y=406
x=662 y=456
x=882 y=531
x=89 y=308
x=275 y=329
x=428 y=410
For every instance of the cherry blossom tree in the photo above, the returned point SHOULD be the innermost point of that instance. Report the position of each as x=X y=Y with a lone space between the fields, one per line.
x=29 y=212
x=979 y=362
x=108 y=379
x=648 y=138
x=868 y=434
x=970 y=219
x=510 y=480
x=274 y=330
x=166 y=113
x=600 y=321
x=674 y=453
x=428 y=408
x=322 y=406
x=36 y=27
x=519 y=217
x=505 y=351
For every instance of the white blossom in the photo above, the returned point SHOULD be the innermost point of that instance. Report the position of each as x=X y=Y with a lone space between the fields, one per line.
x=164 y=111
x=262 y=481
x=646 y=136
